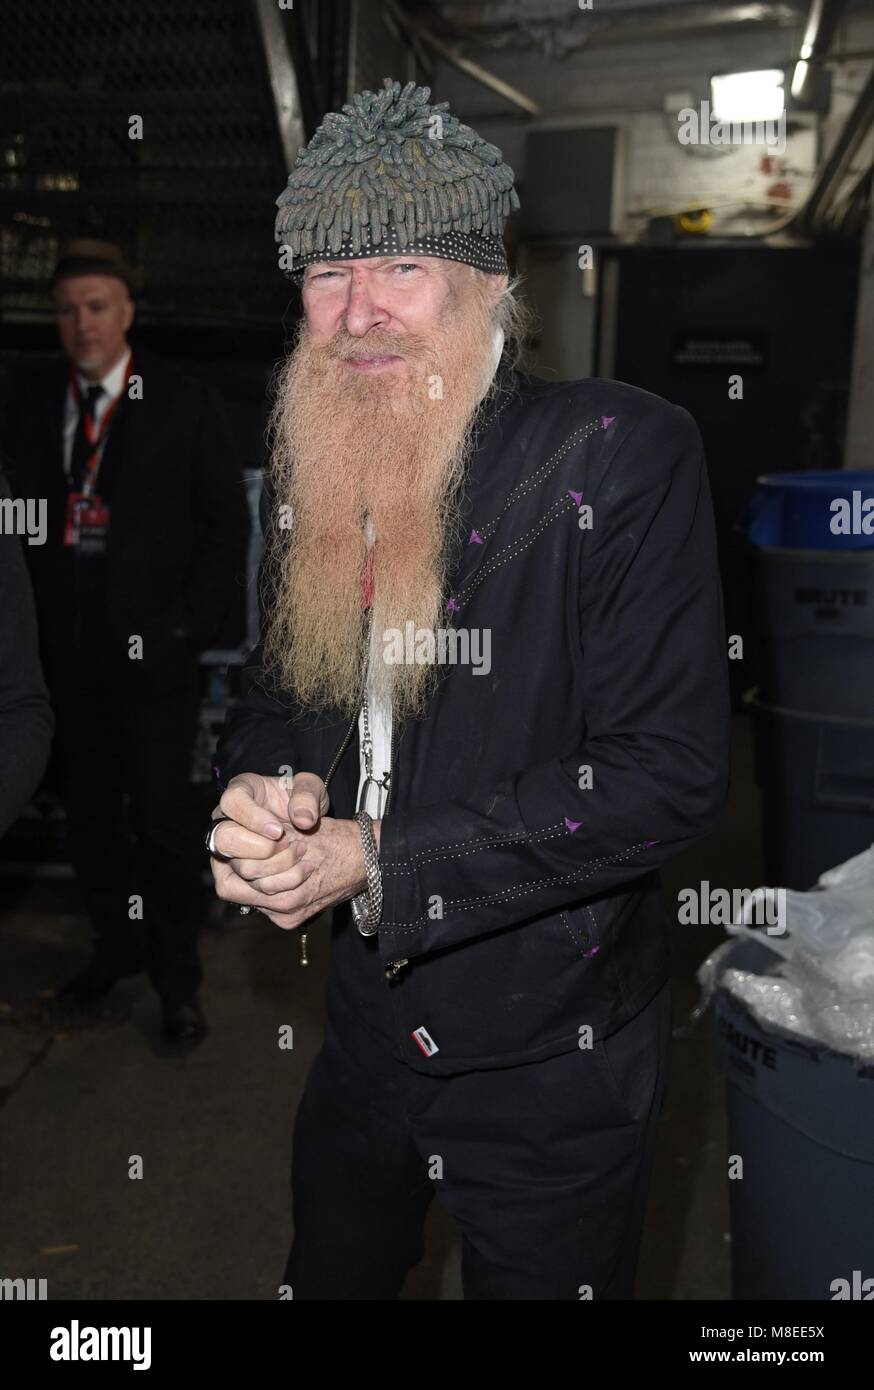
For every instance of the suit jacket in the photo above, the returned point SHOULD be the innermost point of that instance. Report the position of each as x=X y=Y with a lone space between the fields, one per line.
x=531 y=807
x=26 y=719
x=179 y=521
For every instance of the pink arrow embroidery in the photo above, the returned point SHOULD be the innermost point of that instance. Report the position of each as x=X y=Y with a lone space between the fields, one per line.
x=475 y=538
x=607 y=420
x=594 y=951
x=572 y=825
x=648 y=843
x=452 y=606
x=577 y=496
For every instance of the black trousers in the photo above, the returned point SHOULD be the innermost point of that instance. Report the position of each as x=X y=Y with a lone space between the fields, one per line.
x=132 y=820
x=545 y=1166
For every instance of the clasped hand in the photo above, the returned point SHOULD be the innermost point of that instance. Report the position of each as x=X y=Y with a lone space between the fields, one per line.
x=282 y=852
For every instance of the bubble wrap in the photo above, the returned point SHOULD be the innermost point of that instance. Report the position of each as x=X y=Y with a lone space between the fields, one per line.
x=770 y=999
x=822 y=986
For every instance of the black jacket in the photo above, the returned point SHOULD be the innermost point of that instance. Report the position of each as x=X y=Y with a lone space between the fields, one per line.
x=179 y=518
x=525 y=903
x=26 y=719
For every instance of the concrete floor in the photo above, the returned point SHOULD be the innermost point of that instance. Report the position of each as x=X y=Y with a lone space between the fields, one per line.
x=210 y=1217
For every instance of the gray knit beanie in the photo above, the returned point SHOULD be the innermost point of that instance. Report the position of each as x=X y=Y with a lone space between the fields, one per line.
x=388 y=174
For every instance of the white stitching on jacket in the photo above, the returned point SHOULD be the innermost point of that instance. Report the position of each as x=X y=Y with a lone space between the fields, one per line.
x=463 y=904
x=578 y=945
x=434 y=856
x=584 y=432
x=510 y=551
x=527 y=483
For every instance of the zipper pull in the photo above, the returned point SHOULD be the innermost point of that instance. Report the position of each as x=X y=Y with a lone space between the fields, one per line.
x=393 y=969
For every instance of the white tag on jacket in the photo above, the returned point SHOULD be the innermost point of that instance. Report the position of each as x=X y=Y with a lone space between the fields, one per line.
x=425 y=1041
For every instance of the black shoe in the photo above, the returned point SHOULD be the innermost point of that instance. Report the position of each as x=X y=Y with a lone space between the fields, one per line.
x=95 y=981
x=184 y=1023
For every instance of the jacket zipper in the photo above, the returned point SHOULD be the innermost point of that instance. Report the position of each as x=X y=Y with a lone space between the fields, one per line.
x=341 y=750
x=391 y=760
x=396 y=965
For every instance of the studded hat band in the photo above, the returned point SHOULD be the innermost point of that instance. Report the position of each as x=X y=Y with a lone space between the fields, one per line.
x=486 y=253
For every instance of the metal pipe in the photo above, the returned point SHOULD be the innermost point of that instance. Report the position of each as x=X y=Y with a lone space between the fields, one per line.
x=283 y=82
x=452 y=55
x=812 y=216
x=822 y=20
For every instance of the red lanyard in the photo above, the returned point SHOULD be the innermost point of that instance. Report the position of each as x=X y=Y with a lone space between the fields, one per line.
x=93 y=440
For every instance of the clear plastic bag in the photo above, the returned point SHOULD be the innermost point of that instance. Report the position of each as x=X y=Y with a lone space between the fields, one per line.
x=823 y=987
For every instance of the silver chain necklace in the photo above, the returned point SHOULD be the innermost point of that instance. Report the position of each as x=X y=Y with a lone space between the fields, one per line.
x=367 y=742
x=367 y=748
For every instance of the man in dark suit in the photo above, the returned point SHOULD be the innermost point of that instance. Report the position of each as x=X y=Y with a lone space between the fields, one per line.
x=146 y=535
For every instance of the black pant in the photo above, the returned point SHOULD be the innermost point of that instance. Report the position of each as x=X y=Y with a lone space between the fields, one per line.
x=124 y=750
x=544 y=1166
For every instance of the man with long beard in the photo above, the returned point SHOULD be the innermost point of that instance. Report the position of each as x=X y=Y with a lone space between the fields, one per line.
x=498 y=1010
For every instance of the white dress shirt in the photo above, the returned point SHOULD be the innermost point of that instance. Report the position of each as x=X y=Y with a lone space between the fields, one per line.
x=113 y=384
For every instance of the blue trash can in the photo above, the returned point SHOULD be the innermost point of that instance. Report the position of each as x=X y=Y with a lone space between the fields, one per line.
x=805 y=511
x=801 y=1117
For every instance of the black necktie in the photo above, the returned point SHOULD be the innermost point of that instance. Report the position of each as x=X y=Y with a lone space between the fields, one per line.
x=81 y=447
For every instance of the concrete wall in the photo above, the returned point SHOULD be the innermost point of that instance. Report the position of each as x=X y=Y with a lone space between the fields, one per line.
x=630 y=85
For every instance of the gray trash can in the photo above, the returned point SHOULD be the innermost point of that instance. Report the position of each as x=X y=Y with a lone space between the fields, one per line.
x=815 y=773
x=802 y=1118
x=816 y=619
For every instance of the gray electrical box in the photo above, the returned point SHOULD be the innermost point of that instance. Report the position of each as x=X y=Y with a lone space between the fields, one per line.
x=573 y=181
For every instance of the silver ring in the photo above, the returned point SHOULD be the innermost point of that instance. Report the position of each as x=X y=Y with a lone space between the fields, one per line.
x=209 y=840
